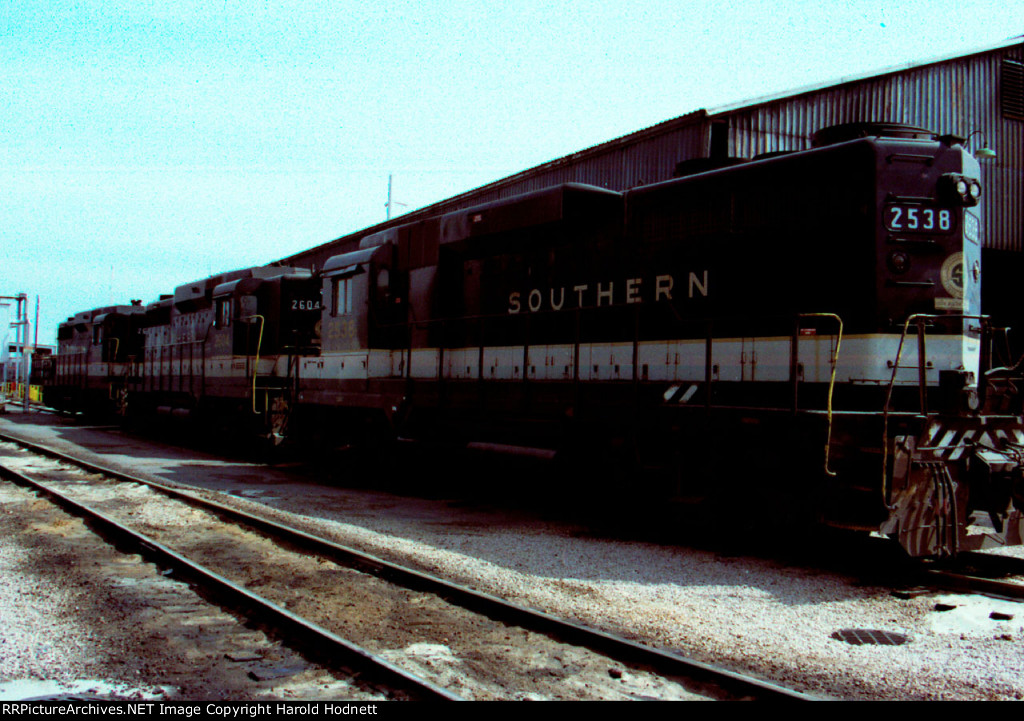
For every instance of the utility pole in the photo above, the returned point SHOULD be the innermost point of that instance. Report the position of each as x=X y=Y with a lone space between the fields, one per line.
x=26 y=356
x=5 y=359
x=22 y=325
x=391 y=202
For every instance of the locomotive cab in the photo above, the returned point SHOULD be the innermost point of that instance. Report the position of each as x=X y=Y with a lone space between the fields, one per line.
x=365 y=304
x=266 y=316
x=116 y=334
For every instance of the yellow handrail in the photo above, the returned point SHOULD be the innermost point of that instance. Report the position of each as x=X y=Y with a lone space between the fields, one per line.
x=256 y=365
x=831 y=383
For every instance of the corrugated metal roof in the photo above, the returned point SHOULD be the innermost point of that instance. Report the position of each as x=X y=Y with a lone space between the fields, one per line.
x=839 y=82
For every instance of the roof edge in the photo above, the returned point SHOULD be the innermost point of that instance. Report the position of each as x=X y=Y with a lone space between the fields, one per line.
x=1017 y=40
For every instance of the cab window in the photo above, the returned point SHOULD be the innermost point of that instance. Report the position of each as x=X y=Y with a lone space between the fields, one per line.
x=341 y=296
x=222 y=318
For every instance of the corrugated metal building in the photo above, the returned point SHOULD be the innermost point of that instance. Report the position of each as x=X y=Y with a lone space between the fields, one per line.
x=978 y=96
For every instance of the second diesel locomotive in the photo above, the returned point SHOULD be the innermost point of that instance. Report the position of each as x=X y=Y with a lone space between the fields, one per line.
x=803 y=327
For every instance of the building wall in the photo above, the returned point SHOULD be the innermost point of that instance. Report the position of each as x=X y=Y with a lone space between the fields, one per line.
x=957 y=96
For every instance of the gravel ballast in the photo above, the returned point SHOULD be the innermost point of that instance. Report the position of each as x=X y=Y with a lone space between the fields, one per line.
x=767 y=616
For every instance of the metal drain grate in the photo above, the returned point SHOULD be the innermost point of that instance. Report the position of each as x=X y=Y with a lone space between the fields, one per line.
x=869 y=637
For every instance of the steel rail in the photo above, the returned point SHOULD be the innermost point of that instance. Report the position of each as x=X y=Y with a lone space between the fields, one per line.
x=979 y=572
x=953 y=581
x=665 y=662
x=315 y=641
x=994 y=563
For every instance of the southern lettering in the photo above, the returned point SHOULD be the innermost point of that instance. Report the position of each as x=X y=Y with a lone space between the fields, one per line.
x=631 y=290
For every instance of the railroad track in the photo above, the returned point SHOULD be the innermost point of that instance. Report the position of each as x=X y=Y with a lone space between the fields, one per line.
x=982 y=573
x=316 y=642
x=513 y=645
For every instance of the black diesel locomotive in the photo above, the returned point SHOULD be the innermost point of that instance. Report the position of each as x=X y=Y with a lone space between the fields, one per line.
x=225 y=348
x=805 y=326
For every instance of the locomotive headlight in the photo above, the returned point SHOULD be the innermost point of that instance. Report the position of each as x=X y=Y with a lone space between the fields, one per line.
x=959 y=189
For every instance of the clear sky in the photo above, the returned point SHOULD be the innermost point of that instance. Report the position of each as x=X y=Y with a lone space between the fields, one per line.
x=148 y=143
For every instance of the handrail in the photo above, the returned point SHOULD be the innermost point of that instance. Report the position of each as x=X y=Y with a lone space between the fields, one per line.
x=256 y=365
x=111 y=360
x=832 y=379
x=175 y=344
x=919 y=319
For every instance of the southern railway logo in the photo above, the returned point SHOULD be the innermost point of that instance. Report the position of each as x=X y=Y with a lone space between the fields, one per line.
x=952 y=275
